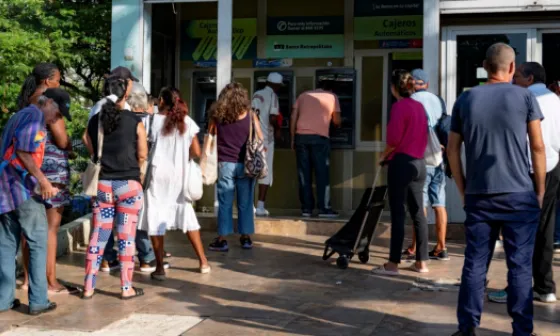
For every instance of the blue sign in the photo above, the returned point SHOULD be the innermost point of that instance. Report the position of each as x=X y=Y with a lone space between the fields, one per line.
x=272 y=63
x=206 y=64
x=305 y=25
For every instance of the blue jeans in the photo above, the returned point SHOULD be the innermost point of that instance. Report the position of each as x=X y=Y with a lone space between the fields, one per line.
x=434 y=187
x=557 y=230
x=231 y=179
x=482 y=227
x=29 y=219
x=143 y=245
x=313 y=153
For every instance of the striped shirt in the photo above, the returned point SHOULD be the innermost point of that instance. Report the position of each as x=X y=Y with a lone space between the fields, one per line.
x=25 y=131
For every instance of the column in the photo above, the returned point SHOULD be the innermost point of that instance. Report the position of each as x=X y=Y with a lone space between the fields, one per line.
x=431 y=43
x=127 y=35
x=223 y=71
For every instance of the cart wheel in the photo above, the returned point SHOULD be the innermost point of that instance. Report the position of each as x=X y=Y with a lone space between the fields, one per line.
x=364 y=257
x=342 y=262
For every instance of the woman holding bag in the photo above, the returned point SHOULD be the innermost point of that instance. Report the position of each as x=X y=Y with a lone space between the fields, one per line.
x=116 y=138
x=175 y=181
x=232 y=119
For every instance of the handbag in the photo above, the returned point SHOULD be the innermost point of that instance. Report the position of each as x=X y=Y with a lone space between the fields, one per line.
x=90 y=178
x=255 y=159
x=209 y=156
x=194 y=189
x=433 y=156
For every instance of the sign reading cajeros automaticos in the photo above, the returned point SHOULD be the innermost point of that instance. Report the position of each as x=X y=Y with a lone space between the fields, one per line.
x=388 y=19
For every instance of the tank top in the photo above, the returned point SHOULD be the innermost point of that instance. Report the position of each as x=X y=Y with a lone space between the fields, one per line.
x=119 y=160
x=232 y=140
x=55 y=162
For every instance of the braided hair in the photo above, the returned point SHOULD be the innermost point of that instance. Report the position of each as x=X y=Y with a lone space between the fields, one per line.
x=110 y=113
x=177 y=110
x=41 y=72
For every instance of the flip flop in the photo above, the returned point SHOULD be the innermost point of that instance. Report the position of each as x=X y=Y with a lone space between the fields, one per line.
x=382 y=271
x=205 y=270
x=137 y=292
x=89 y=297
x=64 y=290
x=413 y=268
x=158 y=277
x=24 y=287
x=166 y=254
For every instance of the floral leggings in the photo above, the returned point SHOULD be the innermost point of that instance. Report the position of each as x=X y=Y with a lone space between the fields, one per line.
x=117 y=202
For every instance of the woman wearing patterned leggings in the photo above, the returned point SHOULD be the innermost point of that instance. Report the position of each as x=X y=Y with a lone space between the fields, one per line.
x=119 y=195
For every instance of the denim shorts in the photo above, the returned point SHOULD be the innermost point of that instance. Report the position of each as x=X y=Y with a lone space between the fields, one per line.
x=434 y=188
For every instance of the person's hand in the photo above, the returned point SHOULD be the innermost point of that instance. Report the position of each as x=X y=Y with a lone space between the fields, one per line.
x=47 y=190
x=540 y=198
x=265 y=149
x=278 y=135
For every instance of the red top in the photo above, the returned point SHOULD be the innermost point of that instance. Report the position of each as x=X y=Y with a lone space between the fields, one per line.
x=407 y=130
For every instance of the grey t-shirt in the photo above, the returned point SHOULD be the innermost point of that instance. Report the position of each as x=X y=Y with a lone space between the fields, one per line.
x=493 y=121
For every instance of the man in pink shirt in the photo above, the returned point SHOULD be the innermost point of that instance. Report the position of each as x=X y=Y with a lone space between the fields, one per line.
x=311 y=118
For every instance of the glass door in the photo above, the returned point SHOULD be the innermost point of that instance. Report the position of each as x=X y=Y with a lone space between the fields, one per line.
x=466 y=51
x=548 y=51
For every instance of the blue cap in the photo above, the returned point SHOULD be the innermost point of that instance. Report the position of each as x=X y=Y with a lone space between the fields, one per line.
x=420 y=76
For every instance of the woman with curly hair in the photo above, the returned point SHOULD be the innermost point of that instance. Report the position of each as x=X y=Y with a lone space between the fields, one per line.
x=231 y=119
x=119 y=196
x=168 y=206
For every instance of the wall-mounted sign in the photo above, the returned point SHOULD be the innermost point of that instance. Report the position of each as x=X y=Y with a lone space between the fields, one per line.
x=272 y=63
x=305 y=37
x=199 y=41
x=388 y=20
x=305 y=25
x=305 y=46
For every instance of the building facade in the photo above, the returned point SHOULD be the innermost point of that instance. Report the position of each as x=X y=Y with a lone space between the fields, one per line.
x=200 y=46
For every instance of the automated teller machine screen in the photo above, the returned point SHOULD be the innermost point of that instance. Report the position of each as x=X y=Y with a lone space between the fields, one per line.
x=285 y=101
x=342 y=82
x=204 y=95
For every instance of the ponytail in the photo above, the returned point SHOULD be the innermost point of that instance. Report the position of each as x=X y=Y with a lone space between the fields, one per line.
x=110 y=117
x=41 y=72
x=403 y=82
x=177 y=110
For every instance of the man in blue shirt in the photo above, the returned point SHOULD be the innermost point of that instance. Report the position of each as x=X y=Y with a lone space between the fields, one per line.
x=493 y=121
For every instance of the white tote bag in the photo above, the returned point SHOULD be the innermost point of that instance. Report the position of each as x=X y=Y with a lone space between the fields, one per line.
x=193 y=189
x=434 y=154
x=90 y=177
x=209 y=157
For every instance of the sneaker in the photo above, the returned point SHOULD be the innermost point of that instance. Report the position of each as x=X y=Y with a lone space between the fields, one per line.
x=442 y=255
x=306 y=213
x=246 y=243
x=328 y=213
x=109 y=266
x=219 y=246
x=262 y=212
x=557 y=247
x=546 y=298
x=50 y=307
x=151 y=266
x=498 y=297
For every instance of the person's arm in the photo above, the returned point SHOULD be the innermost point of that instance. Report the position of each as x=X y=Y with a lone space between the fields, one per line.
x=395 y=132
x=142 y=147
x=194 y=151
x=455 y=164
x=336 y=117
x=538 y=157
x=273 y=118
x=47 y=190
x=60 y=137
x=257 y=124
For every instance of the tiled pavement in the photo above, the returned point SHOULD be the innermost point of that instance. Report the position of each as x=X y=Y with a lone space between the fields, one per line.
x=282 y=287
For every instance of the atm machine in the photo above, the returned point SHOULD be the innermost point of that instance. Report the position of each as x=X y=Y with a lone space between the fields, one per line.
x=285 y=101
x=343 y=84
x=203 y=96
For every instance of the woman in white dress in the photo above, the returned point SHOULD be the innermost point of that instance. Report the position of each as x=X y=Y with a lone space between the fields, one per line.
x=168 y=206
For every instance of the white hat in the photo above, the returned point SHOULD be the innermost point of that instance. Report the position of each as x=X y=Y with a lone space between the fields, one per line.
x=275 y=78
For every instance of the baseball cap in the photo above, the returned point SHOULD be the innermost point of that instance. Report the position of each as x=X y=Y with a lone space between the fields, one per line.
x=275 y=78
x=124 y=73
x=420 y=76
x=62 y=99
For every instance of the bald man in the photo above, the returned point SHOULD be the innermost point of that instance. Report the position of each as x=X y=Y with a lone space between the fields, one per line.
x=497 y=123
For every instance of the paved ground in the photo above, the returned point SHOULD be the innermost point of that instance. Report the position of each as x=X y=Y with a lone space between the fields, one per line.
x=282 y=287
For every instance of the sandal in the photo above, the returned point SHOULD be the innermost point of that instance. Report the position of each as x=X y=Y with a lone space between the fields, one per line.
x=205 y=269
x=87 y=297
x=158 y=277
x=381 y=270
x=64 y=290
x=137 y=292
x=166 y=254
x=413 y=268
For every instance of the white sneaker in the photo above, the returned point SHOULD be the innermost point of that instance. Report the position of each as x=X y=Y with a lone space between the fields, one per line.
x=262 y=212
x=546 y=298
